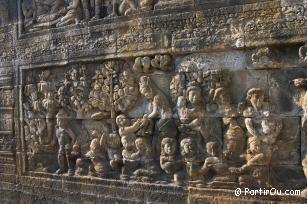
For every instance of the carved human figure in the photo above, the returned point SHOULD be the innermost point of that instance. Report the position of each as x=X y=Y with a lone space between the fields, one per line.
x=193 y=165
x=192 y=115
x=256 y=98
x=261 y=123
x=125 y=128
x=255 y=171
x=51 y=106
x=28 y=10
x=48 y=12
x=128 y=7
x=160 y=105
x=223 y=100
x=234 y=141
x=73 y=14
x=303 y=53
x=147 y=169
x=216 y=170
x=114 y=151
x=130 y=163
x=66 y=139
x=86 y=9
x=160 y=108
x=261 y=57
x=169 y=162
x=99 y=165
x=177 y=87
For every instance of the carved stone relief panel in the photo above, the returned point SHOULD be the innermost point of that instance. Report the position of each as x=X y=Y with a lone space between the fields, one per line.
x=197 y=120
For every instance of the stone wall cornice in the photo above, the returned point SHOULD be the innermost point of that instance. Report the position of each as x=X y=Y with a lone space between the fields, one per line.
x=186 y=29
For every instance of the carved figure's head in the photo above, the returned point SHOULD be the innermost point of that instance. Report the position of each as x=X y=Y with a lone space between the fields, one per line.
x=146 y=88
x=122 y=121
x=254 y=145
x=256 y=98
x=222 y=97
x=168 y=147
x=194 y=95
x=213 y=149
x=188 y=147
x=127 y=142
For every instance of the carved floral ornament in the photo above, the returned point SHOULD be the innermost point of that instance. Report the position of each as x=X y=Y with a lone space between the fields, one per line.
x=115 y=120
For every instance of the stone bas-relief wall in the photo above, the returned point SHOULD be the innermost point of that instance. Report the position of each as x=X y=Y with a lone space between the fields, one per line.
x=152 y=101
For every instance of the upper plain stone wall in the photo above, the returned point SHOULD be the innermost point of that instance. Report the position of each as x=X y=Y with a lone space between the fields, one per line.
x=152 y=101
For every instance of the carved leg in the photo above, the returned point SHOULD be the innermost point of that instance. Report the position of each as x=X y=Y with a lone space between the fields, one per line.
x=70 y=163
x=114 y=9
x=97 y=9
x=50 y=127
x=62 y=164
x=86 y=10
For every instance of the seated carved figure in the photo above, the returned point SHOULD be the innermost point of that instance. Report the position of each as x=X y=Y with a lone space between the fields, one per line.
x=114 y=151
x=99 y=165
x=193 y=165
x=128 y=7
x=255 y=171
x=73 y=14
x=169 y=163
x=130 y=162
x=48 y=12
x=125 y=128
x=216 y=170
x=94 y=162
x=147 y=168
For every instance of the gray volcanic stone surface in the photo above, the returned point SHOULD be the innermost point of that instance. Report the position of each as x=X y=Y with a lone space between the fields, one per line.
x=153 y=101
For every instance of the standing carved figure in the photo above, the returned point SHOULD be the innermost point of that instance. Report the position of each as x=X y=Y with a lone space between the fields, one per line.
x=261 y=123
x=160 y=109
x=192 y=116
x=66 y=139
x=51 y=106
x=29 y=12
